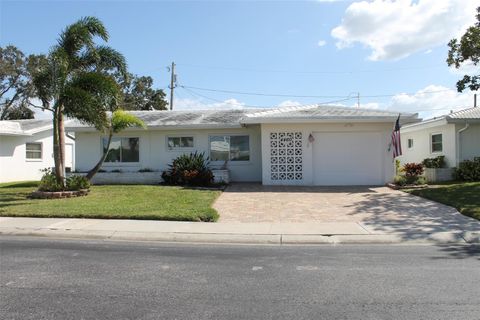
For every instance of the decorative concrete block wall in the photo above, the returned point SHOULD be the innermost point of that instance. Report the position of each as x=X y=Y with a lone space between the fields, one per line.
x=438 y=174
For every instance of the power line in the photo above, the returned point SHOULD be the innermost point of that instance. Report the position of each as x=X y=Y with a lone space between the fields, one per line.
x=305 y=96
x=250 y=106
x=246 y=69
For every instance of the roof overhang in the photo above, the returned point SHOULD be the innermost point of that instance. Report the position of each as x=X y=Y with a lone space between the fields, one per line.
x=450 y=120
x=162 y=127
x=266 y=120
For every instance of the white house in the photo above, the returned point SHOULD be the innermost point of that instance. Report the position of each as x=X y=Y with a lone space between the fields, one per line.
x=312 y=145
x=455 y=136
x=26 y=147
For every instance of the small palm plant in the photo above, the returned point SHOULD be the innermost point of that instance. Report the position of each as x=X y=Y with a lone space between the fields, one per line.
x=189 y=169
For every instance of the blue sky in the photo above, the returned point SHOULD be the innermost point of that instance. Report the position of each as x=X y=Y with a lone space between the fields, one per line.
x=375 y=48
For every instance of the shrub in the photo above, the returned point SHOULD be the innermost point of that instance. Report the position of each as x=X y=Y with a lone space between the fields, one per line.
x=412 y=175
x=77 y=182
x=468 y=170
x=73 y=183
x=403 y=180
x=116 y=170
x=421 y=180
x=49 y=182
x=438 y=162
x=145 y=170
x=400 y=180
x=413 y=169
x=189 y=169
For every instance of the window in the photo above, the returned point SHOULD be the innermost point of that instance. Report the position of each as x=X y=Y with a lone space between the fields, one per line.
x=437 y=145
x=231 y=148
x=179 y=142
x=33 y=151
x=122 y=150
x=410 y=143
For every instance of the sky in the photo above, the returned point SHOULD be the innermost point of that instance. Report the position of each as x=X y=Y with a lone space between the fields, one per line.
x=273 y=53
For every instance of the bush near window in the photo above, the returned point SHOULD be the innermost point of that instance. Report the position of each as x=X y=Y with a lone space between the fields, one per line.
x=413 y=169
x=412 y=175
x=49 y=182
x=468 y=170
x=190 y=170
x=73 y=183
x=77 y=182
x=435 y=163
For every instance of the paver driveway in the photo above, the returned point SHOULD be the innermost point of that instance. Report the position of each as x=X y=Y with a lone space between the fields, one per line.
x=375 y=208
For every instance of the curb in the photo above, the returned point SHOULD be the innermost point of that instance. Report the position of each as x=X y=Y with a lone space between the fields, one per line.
x=225 y=238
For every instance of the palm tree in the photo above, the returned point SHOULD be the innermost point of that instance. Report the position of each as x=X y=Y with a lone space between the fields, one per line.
x=77 y=81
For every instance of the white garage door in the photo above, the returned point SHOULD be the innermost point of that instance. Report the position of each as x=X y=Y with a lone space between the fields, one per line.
x=347 y=158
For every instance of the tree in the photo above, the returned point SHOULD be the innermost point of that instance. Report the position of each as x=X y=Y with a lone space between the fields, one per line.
x=466 y=50
x=139 y=94
x=119 y=120
x=77 y=81
x=18 y=113
x=15 y=83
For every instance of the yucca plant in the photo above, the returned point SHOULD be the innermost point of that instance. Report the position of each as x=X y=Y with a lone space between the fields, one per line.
x=189 y=169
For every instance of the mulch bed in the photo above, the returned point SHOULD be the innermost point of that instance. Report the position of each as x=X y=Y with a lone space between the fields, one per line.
x=58 y=194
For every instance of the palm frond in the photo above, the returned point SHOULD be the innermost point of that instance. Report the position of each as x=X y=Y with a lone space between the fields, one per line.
x=104 y=58
x=122 y=120
x=88 y=97
x=81 y=34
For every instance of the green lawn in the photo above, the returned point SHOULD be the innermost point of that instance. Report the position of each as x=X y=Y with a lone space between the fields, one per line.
x=113 y=202
x=465 y=197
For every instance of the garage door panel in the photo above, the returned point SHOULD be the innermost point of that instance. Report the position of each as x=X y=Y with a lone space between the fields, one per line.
x=347 y=158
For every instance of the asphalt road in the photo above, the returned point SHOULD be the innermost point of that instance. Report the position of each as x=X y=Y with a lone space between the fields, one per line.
x=68 y=279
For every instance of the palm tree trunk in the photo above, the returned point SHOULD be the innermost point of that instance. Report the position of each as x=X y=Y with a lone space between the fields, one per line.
x=56 y=147
x=61 y=140
x=97 y=167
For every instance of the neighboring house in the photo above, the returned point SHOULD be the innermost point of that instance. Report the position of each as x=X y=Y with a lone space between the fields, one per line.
x=455 y=136
x=26 y=147
x=312 y=145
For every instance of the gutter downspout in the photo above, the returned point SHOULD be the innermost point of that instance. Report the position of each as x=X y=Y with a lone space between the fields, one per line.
x=458 y=140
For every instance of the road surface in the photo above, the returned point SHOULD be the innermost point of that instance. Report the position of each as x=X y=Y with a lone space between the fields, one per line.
x=74 y=279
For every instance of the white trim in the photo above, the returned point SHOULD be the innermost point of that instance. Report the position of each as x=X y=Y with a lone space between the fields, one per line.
x=408 y=143
x=34 y=159
x=230 y=162
x=431 y=143
x=121 y=164
x=180 y=149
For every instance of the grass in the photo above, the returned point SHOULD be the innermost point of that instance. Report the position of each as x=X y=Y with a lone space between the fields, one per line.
x=464 y=196
x=112 y=202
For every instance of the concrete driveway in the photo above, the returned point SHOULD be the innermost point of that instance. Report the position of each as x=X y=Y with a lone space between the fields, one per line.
x=376 y=209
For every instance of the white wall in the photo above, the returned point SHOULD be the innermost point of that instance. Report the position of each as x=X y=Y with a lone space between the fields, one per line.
x=384 y=129
x=13 y=163
x=155 y=155
x=421 y=143
x=469 y=141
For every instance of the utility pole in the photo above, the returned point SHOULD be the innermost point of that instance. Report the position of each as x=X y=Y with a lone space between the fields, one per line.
x=358 y=99
x=173 y=81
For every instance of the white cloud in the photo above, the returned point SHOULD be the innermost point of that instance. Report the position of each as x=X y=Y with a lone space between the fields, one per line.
x=396 y=29
x=321 y=43
x=194 y=104
x=431 y=101
x=289 y=103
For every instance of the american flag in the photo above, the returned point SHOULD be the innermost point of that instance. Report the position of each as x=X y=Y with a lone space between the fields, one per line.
x=396 y=143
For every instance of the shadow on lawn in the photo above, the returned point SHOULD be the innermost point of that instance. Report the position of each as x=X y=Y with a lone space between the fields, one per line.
x=23 y=184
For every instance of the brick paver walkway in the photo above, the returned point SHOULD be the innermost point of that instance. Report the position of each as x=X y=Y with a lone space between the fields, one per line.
x=372 y=206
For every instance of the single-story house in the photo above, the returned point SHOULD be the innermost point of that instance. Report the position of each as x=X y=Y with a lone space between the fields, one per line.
x=455 y=136
x=308 y=145
x=26 y=147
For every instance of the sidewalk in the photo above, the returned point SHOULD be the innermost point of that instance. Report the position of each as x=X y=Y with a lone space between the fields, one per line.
x=247 y=233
